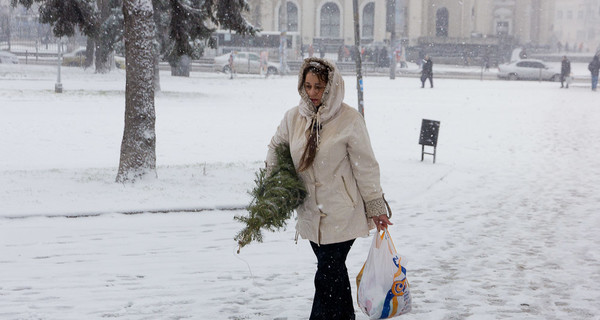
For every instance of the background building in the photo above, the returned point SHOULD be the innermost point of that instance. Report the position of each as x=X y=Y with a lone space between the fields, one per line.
x=455 y=31
x=577 y=24
x=439 y=26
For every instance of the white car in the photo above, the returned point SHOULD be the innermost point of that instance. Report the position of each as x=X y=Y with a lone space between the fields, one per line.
x=7 y=57
x=529 y=69
x=244 y=62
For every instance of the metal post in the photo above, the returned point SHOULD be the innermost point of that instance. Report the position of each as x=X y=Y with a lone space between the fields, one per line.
x=482 y=68
x=282 y=52
x=359 y=80
x=393 y=58
x=58 y=88
x=283 y=37
x=391 y=7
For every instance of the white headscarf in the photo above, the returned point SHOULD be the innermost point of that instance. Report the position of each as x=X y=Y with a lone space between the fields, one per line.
x=332 y=99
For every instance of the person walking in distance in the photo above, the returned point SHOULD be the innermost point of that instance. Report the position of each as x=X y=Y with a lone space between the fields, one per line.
x=427 y=72
x=332 y=153
x=565 y=71
x=594 y=66
x=231 y=64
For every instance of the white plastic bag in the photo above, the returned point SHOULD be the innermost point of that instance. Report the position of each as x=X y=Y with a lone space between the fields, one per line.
x=383 y=290
x=569 y=79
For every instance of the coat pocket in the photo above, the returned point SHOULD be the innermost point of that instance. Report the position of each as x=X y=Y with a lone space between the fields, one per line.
x=348 y=191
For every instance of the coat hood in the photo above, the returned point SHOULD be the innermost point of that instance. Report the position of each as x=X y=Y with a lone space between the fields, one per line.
x=333 y=96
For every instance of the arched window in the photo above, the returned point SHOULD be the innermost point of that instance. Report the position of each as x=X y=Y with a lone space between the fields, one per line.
x=330 y=20
x=368 y=20
x=441 y=22
x=292 y=17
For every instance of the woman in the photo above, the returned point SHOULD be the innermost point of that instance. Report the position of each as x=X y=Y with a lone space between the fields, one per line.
x=332 y=153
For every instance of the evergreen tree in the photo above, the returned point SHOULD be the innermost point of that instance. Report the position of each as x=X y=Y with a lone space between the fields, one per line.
x=110 y=33
x=97 y=19
x=182 y=26
x=276 y=195
x=187 y=24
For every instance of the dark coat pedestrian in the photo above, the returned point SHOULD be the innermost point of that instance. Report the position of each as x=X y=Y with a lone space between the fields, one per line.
x=486 y=62
x=322 y=51
x=565 y=71
x=427 y=72
x=594 y=66
x=384 y=59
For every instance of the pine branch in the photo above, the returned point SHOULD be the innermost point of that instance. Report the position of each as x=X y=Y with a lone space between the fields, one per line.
x=274 y=198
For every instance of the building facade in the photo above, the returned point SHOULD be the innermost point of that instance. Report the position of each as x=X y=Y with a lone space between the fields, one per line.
x=526 y=21
x=577 y=26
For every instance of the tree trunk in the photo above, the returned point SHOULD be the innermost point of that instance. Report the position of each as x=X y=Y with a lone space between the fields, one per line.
x=89 y=53
x=181 y=67
x=138 y=148
x=104 y=56
x=156 y=69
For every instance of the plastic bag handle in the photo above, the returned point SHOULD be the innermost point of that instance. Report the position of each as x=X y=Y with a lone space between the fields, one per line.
x=379 y=238
x=389 y=210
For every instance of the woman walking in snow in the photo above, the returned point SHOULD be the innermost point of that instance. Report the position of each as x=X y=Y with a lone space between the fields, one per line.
x=332 y=153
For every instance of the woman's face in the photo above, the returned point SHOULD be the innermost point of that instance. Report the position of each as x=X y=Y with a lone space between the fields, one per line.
x=314 y=88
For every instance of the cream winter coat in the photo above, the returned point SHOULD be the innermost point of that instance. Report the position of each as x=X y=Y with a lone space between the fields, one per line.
x=343 y=182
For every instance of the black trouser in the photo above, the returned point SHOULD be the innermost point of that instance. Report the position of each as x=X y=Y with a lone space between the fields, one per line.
x=563 y=78
x=333 y=295
x=424 y=78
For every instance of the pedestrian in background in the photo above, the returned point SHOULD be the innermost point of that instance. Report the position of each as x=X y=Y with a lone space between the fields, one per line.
x=565 y=71
x=486 y=62
x=311 y=51
x=332 y=153
x=594 y=66
x=427 y=72
x=231 y=64
x=321 y=51
x=264 y=63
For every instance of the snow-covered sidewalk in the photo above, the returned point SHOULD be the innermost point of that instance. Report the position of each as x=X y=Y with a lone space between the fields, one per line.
x=504 y=226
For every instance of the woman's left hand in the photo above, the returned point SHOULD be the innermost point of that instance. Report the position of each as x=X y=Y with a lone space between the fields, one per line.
x=382 y=222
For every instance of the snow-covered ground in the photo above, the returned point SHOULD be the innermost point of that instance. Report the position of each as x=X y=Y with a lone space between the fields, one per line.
x=504 y=225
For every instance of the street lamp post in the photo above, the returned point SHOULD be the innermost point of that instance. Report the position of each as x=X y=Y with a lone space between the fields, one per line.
x=391 y=26
x=283 y=24
x=58 y=88
x=359 y=79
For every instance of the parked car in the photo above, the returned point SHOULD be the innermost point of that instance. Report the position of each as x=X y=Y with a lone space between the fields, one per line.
x=120 y=62
x=7 y=57
x=76 y=58
x=529 y=69
x=244 y=62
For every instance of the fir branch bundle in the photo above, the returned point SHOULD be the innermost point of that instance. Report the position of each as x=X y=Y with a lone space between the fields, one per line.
x=274 y=198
